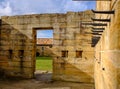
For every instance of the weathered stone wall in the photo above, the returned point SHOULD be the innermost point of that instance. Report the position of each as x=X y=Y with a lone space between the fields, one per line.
x=17 y=54
x=72 y=38
x=107 y=62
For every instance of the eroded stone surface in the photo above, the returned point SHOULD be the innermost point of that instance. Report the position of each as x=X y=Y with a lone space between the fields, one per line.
x=108 y=49
x=18 y=45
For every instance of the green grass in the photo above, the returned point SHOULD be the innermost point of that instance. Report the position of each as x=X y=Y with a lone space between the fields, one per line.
x=44 y=63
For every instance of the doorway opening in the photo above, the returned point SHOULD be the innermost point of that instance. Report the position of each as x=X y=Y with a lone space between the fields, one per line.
x=44 y=43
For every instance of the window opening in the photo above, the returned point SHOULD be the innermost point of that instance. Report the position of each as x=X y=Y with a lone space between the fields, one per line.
x=65 y=53
x=79 y=54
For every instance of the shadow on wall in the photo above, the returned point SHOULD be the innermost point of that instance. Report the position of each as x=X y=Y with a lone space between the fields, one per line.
x=17 y=58
x=70 y=71
x=16 y=52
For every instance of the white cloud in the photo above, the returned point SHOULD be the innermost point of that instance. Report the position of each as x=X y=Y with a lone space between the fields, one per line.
x=31 y=6
x=75 y=6
x=18 y=7
x=5 y=9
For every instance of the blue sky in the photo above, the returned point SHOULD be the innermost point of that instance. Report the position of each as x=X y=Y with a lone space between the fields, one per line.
x=44 y=33
x=21 y=7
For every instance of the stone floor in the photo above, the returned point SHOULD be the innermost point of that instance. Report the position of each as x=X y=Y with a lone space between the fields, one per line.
x=42 y=81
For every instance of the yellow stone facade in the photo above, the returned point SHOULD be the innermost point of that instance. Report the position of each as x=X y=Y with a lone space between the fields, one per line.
x=107 y=50
x=73 y=56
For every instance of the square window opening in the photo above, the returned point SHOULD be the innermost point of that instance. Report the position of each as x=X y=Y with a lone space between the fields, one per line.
x=79 y=54
x=65 y=53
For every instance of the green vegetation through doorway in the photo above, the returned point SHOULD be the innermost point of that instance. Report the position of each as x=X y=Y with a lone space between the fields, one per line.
x=44 y=63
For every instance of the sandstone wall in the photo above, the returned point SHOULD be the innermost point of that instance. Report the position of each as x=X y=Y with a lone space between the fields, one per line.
x=107 y=54
x=71 y=39
x=18 y=45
